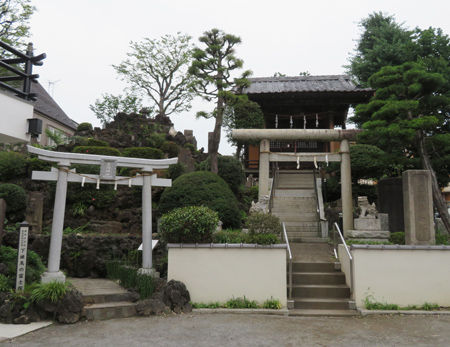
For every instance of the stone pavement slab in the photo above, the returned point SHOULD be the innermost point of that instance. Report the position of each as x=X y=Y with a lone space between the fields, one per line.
x=96 y=286
x=9 y=331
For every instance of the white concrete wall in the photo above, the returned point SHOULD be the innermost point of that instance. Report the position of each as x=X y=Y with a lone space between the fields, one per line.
x=344 y=259
x=403 y=277
x=14 y=113
x=219 y=274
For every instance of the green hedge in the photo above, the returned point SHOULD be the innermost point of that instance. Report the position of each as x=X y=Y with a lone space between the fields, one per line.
x=171 y=148
x=15 y=197
x=12 y=165
x=97 y=150
x=202 y=188
x=261 y=223
x=230 y=169
x=96 y=142
x=143 y=152
x=84 y=126
x=191 y=224
x=176 y=170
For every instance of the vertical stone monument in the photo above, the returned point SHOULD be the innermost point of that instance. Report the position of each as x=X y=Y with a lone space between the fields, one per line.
x=35 y=207
x=418 y=208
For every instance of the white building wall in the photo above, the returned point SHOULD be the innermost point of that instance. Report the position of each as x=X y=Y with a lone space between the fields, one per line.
x=14 y=113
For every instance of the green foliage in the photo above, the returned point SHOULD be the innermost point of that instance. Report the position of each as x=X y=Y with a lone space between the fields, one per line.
x=363 y=242
x=112 y=269
x=36 y=164
x=230 y=169
x=56 y=136
x=109 y=105
x=127 y=276
x=80 y=229
x=15 y=197
x=261 y=223
x=272 y=304
x=176 y=170
x=264 y=239
x=35 y=268
x=14 y=21
x=96 y=142
x=158 y=69
x=97 y=150
x=145 y=285
x=12 y=165
x=78 y=209
x=241 y=303
x=397 y=238
x=370 y=304
x=202 y=189
x=367 y=161
x=191 y=224
x=85 y=126
x=171 y=148
x=229 y=236
x=143 y=152
x=442 y=239
x=209 y=305
x=51 y=291
x=89 y=195
x=5 y=285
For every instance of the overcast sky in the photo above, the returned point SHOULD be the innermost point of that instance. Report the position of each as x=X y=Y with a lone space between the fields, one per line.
x=83 y=38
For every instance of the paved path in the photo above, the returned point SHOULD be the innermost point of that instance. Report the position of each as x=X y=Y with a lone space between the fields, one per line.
x=247 y=330
x=96 y=286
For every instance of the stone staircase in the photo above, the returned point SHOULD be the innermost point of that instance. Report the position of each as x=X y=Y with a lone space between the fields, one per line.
x=104 y=299
x=295 y=203
x=319 y=289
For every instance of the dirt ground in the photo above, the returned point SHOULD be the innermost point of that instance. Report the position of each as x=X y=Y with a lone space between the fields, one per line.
x=246 y=330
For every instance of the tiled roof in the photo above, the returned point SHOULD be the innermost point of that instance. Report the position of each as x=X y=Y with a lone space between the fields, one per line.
x=306 y=84
x=47 y=106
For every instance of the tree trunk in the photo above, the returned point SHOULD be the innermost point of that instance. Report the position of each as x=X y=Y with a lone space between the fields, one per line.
x=216 y=135
x=438 y=199
x=238 y=150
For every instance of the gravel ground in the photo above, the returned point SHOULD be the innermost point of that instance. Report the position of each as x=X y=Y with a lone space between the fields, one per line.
x=246 y=330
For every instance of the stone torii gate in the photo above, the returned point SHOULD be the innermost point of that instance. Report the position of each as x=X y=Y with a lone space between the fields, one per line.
x=108 y=165
x=265 y=157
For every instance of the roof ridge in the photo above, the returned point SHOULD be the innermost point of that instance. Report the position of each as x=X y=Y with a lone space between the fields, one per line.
x=297 y=78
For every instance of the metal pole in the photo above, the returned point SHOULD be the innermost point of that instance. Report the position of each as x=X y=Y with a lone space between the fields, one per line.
x=147 y=225
x=54 y=256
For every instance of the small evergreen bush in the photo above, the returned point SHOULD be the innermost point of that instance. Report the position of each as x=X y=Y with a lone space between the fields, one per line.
x=230 y=169
x=97 y=150
x=230 y=236
x=202 y=188
x=84 y=126
x=261 y=223
x=171 y=148
x=143 y=152
x=241 y=303
x=96 y=142
x=191 y=224
x=51 y=291
x=35 y=268
x=16 y=200
x=176 y=170
x=12 y=165
x=397 y=238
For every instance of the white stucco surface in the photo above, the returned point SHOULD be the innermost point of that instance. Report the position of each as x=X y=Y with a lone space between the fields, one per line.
x=403 y=277
x=219 y=274
x=14 y=113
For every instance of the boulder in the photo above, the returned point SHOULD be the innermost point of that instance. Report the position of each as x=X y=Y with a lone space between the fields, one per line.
x=176 y=296
x=70 y=307
x=154 y=306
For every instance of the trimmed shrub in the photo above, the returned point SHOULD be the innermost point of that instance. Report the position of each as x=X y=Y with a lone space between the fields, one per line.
x=96 y=142
x=191 y=224
x=36 y=164
x=176 y=170
x=264 y=239
x=35 y=268
x=202 y=188
x=12 y=165
x=84 y=126
x=97 y=150
x=143 y=152
x=397 y=238
x=15 y=197
x=230 y=236
x=230 y=169
x=171 y=148
x=261 y=223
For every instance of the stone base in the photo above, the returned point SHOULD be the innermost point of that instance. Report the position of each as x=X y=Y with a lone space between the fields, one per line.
x=370 y=240
x=58 y=276
x=150 y=272
x=368 y=234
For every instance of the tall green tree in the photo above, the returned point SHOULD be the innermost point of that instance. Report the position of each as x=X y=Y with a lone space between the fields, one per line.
x=383 y=42
x=109 y=105
x=241 y=113
x=407 y=116
x=15 y=21
x=158 y=69
x=213 y=66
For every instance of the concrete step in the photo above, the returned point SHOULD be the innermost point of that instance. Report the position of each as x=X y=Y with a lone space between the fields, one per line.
x=290 y=193
x=314 y=233
x=321 y=303
x=294 y=209
x=321 y=291
x=313 y=267
x=328 y=313
x=297 y=217
x=109 y=310
x=320 y=278
x=103 y=298
x=308 y=239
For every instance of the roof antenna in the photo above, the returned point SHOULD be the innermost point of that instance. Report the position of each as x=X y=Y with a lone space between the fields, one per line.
x=51 y=87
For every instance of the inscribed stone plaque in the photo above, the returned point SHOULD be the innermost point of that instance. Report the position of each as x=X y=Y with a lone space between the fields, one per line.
x=35 y=208
x=418 y=207
x=108 y=169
